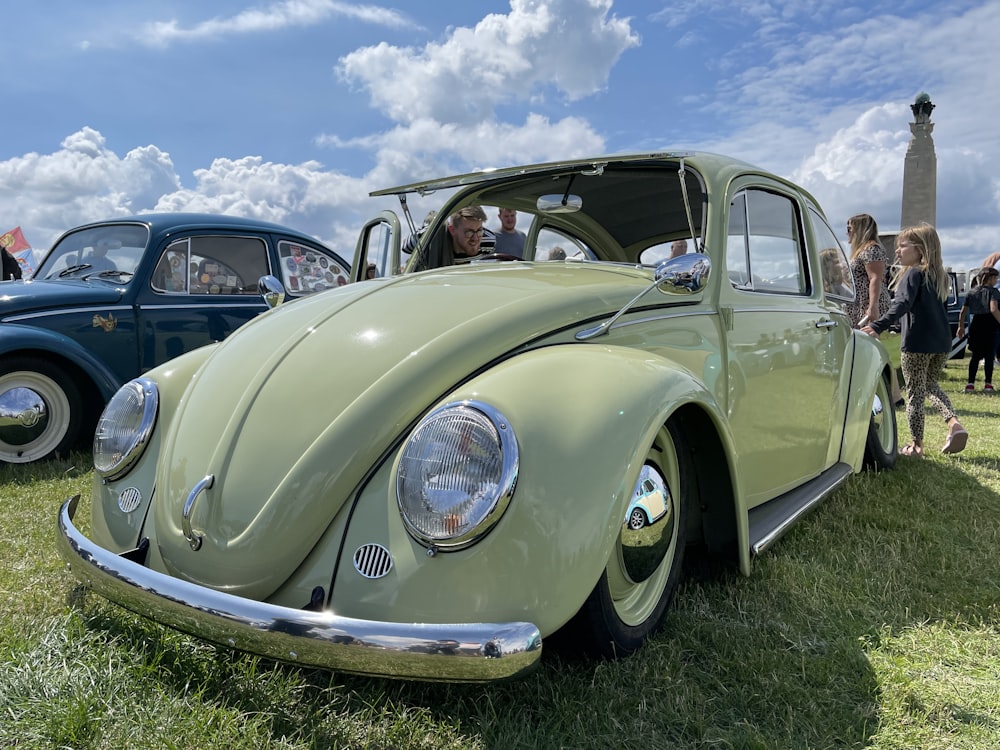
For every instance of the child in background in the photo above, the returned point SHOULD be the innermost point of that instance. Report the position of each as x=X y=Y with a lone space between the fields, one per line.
x=983 y=301
x=925 y=340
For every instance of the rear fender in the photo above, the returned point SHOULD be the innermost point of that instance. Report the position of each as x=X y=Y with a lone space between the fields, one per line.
x=870 y=360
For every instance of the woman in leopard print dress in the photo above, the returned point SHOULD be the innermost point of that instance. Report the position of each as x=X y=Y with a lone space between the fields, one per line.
x=869 y=264
x=869 y=267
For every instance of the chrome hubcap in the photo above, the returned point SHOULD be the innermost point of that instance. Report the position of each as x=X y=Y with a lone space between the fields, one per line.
x=644 y=547
x=24 y=416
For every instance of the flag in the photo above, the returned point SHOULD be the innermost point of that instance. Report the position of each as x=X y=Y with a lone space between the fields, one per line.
x=26 y=259
x=14 y=241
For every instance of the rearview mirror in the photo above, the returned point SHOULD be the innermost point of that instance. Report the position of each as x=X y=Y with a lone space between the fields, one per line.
x=559 y=204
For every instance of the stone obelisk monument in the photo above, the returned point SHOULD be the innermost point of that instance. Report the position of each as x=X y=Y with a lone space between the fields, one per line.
x=920 y=168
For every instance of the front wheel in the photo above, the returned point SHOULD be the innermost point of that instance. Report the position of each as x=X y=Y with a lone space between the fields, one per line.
x=630 y=600
x=882 y=443
x=41 y=410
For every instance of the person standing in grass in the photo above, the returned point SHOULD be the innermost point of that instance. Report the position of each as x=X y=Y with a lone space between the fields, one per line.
x=982 y=302
x=869 y=266
x=993 y=261
x=921 y=290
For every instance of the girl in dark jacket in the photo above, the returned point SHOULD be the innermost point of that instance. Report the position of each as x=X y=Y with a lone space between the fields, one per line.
x=921 y=290
x=983 y=302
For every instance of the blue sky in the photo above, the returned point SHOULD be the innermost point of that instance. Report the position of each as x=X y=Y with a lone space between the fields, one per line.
x=293 y=110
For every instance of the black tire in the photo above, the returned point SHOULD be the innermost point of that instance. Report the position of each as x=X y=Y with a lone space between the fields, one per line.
x=630 y=600
x=41 y=410
x=882 y=445
x=636 y=519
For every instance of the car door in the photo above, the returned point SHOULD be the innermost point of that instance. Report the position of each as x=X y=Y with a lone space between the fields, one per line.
x=378 y=253
x=779 y=345
x=203 y=287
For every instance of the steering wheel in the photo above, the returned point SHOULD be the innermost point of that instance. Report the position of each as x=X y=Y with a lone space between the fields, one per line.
x=499 y=256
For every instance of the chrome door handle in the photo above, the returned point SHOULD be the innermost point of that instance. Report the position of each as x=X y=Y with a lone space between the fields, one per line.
x=827 y=324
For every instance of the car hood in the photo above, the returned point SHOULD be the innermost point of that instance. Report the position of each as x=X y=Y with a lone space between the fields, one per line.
x=291 y=412
x=30 y=296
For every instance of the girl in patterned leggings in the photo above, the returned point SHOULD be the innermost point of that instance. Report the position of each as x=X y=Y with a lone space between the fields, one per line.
x=921 y=290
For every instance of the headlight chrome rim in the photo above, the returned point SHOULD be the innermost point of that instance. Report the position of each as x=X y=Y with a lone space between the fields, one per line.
x=133 y=408
x=489 y=508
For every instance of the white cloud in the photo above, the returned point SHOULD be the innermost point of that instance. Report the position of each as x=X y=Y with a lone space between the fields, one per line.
x=329 y=205
x=566 y=45
x=281 y=15
x=83 y=181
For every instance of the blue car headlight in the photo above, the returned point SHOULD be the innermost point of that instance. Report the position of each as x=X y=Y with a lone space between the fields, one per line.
x=456 y=474
x=124 y=428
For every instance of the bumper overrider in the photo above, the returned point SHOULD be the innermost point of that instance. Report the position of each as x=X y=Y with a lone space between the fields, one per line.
x=473 y=652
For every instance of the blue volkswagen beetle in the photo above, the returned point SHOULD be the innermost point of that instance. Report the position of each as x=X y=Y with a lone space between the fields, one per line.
x=116 y=298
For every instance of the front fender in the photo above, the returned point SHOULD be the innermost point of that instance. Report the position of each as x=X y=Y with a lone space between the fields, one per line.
x=583 y=416
x=21 y=338
x=111 y=527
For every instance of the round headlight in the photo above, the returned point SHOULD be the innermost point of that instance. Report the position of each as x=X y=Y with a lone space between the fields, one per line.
x=456 y=474
x=124 y=428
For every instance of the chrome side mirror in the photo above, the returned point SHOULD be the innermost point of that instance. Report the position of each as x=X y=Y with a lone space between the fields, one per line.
x=685 y=274
x=271 y=290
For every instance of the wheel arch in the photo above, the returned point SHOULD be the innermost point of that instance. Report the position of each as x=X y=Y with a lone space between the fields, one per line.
x=649 y=392
x=870 y=363
x=62 y=351
x=713 y=521
x=92 y=377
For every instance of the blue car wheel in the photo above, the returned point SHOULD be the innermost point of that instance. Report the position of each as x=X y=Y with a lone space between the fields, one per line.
x=40 y=410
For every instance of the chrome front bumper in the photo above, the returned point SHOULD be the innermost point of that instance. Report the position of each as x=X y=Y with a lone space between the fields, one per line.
x=474 y=652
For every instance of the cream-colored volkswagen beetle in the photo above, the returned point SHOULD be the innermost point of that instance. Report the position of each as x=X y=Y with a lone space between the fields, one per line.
x=426 y=474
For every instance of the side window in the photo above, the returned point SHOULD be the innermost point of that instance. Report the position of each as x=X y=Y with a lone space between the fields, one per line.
x=764 y=249
x=171 y=275
x=737 y=258
x=553 y=245
x=225 y=265
x=377 y=251
x=305 y=270
x=834 y=267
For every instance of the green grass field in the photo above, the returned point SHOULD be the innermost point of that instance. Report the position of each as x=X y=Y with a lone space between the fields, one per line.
x=873 y=624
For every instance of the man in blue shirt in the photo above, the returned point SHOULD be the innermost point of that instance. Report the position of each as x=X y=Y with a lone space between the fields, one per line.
x=509 y=240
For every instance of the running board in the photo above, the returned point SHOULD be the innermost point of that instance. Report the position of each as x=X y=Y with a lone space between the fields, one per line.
x=769 y=522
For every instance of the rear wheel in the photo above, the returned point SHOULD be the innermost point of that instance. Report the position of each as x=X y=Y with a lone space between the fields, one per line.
x=40 y=410
x=630 y=600
x=883 y=441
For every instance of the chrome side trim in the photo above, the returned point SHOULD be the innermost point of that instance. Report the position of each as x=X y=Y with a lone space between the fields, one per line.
x=464 y=652
x=18 y=317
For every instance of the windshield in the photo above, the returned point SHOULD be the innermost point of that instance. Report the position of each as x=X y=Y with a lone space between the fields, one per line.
x=109 y=252
x=633 y=212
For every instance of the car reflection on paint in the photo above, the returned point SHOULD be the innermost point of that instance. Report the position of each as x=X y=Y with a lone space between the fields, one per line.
x=648 y=503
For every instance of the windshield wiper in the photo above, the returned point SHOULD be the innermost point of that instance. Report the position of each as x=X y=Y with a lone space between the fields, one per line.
x=72 y=269
x=109 y=273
